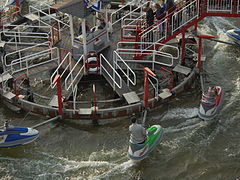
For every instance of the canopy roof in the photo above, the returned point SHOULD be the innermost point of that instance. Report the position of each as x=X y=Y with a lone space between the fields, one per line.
x=76 y=7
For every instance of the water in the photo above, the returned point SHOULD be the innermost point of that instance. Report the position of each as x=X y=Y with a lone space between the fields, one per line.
x=191 y=148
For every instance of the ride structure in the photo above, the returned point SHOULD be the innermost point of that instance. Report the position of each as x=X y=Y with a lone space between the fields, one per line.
x=38 y=45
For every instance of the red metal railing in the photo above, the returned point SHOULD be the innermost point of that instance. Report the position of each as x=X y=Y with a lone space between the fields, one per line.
x=16 y=88
x=170 y=80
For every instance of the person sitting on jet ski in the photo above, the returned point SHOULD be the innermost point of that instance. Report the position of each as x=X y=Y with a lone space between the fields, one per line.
x=138 y=132
x=6 y=125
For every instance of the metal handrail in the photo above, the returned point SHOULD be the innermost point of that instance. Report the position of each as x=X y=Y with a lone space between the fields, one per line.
x=25 y=34
x=73 y=79
x=48 y=15
x=112 y=76
x=18 y=52
x=128 y=14
x=160 y=36
x=188 y=11
x=220 y=6
x=26 y=60
x=168 y=79
x=119 y=10
x=117 y=58
x=25 y=26
x=130 y=26
x=66 y=58
x=147 y=51
x=154 y=87
x=152 y=44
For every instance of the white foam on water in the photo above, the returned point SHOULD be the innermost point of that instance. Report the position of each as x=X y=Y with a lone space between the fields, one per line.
x=217 y=26
x=188 y=125
x=117 y=169
x=76 y=165
x=180 y=113
x=112 y=167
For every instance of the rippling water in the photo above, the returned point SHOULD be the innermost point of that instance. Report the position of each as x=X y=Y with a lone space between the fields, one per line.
x=191 y=148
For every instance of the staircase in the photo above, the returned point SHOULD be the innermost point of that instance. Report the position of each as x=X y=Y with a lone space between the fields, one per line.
x=186 y=15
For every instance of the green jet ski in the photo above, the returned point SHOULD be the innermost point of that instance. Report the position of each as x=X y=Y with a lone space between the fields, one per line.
x=138 y=152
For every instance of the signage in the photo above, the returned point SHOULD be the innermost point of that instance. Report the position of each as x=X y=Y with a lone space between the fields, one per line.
x=94 y=4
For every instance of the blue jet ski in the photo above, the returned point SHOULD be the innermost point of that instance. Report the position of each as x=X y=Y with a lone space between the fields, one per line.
x=15 y=136
x=234 y=34
x=138 y=152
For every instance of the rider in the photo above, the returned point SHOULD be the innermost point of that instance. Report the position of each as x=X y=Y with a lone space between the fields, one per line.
x=6 y=124
x=138 y=132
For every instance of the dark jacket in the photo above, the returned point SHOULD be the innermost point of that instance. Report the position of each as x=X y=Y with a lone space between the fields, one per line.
x=150 y=17
x=170 y=6
x=160 y=12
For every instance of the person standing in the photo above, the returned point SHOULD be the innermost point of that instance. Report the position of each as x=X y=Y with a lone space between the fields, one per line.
x=149 y=21
x=160 y=14
x=170 y=7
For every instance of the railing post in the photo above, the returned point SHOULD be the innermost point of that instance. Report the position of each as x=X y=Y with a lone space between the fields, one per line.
x=94 y=99
x=199 y=53
x=146 y=72
x=200 y=48
x=100 y=64
x=137 y=39
x=114 y=82
x=183 y=48
x=18 y=6
x=57 y=80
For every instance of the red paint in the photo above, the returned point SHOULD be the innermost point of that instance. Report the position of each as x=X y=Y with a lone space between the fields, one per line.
x=57 y=80
x=206 y=36
x=15 y=82
x=183 y=47
x=170 y=81
x=146 y=72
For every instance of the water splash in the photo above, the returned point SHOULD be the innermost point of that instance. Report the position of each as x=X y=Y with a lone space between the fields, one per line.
x=117 y=169
x=181 y=113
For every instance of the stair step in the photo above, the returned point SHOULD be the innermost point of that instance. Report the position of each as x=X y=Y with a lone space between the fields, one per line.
x=9 y=95
x=165 y=94
x=5 y=77
x=32 y=17
x=182 y=69
x=131 y=97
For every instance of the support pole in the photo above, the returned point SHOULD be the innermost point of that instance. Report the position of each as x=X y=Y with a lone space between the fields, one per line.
x=84 y=35
x=200 y=48
x=57 y=80
x=199 y=53
x=183 y=48
x=195 y=27
x=145 y=89
x=18 y=6
x=146 y=72
x=71 y=28
x=94 y=98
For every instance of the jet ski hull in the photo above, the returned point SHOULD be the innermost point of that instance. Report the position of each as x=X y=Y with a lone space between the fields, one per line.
x=208 y=112
x=234 y=34
x=138 y=152
x=15 y=136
